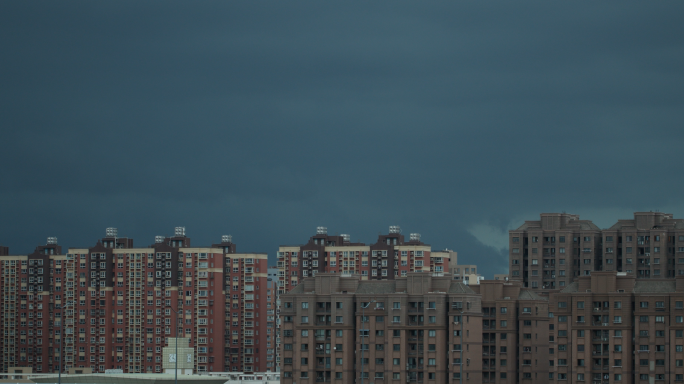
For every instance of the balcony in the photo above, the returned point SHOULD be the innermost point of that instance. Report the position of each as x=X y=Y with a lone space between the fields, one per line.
x=598 y=323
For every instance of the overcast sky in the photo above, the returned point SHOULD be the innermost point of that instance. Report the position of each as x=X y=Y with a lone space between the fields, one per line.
x=457 y=120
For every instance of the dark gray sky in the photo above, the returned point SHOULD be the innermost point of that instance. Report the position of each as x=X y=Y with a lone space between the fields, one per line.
x=263 y=120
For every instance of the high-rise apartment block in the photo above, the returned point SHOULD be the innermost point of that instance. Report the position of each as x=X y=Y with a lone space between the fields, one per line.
x=424 y=328
x=391 y=256
x=550 y=253
x=611 y=327
x=115 y=306
x=580 y=305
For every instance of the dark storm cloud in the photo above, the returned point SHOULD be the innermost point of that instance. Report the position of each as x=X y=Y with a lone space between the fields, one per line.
x=264 y=120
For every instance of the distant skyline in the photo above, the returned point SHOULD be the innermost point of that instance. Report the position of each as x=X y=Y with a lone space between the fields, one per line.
x=265 y=120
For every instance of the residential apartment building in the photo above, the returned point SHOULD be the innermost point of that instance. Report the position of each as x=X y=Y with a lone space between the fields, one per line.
x=647 y=246
x=423 y=328
x=389 y=257
x=611 y=327
x=272 y=342
x=548 y=254
x=115 y=306
x=27 y=307
x=515 y=326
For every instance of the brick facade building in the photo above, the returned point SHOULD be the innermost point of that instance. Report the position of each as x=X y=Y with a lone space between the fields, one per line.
x=389 y=257
x=115 y=306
